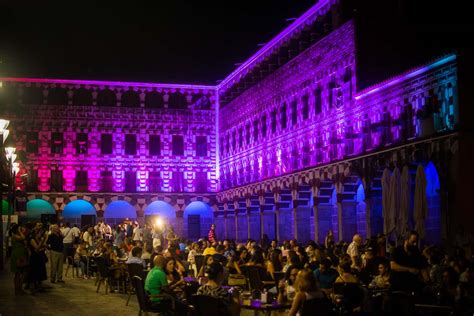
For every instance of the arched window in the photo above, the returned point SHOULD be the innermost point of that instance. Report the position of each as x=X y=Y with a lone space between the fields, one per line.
x=130 y=99
x=177 y=101
x=82 y=97
x=106 y=98
x=57 y=96
x=32 y=95
x=154 y=100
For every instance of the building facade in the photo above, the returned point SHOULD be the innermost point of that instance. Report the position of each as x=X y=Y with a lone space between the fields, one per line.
x=285 y=146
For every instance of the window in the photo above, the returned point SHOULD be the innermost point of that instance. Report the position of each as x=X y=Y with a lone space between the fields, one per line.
x=274 y=122
x=178 y=182
x=294 y=113
x=154 y=146
x=130 y=144
x=305 y=107
x=241 y=137
x=264 y=126
x=234 y=140
x=255 y=131
x=130 y=181
x=57 y=143
x=56 y=180
x=201 y=146
x=81 y=181
x=32 y=183
x=283 y=116
x=32 y=142
x=178 y=145
x=317 y=101
x=81 y=143
x=106 y=144
x=247 y=134
x=155 y=181
x=107 y=181
x=201 y=181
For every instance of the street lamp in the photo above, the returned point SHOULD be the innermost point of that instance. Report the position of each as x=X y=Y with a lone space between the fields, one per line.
x=13 y=168
x=4 y=134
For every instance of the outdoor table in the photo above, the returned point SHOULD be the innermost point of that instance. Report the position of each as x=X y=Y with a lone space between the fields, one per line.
x=266 y=308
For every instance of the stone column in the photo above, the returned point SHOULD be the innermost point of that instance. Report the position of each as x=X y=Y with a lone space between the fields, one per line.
x=276 y=198
x=294 y=197
x=225 y=220
x=315 y=192
x=338 y=188
x=261 y=200
x=236 y=218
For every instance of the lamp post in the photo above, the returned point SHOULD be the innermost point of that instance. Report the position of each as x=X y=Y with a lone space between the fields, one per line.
x=13 y=168
x=4 y=134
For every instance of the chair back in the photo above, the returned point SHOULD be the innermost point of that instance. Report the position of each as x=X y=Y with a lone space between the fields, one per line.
x=209 y=306
x=254 y=280
x=199 y=259
x=321 y=305
x=278 y=276
x=352 y=294
x=135 y=269
x=141 y=294
x=102 y=267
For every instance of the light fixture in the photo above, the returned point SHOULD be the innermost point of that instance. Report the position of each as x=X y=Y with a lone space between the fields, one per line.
x=4 y=124
x=15 y=167
x=9 y=151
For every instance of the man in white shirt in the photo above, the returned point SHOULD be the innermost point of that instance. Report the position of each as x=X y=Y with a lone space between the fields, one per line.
x=68 y=240
x=354 y=253
x=76 y=233
x=88 y=238
x=137 y=233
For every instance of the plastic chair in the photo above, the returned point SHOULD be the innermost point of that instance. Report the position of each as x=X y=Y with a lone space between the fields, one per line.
x=165 y=306
x=209 y=306
x=134 y=269
x=322 y=306
x=254 y=278
x=352 y=296
x=199 y=260
x=104 y=274
x=70 y=263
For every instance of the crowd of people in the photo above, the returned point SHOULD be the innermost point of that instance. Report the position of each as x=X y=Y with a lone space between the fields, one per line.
x=428 y=275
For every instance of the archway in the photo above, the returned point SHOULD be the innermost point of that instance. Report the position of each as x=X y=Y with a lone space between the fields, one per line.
x=35 y=208
x=198 y=217
x=119 y=210
x=162 y=210
x=74 y=211
x=433 y=220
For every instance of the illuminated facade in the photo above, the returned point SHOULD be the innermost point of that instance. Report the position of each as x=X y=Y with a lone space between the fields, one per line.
x=285 y=146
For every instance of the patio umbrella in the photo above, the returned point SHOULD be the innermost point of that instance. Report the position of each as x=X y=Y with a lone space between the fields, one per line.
x=405 y=199
x=420 y=207
x=385 y=181
x=394 y=201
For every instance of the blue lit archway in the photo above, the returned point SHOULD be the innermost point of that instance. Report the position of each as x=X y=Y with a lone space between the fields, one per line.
x=117 y=211
x=77 y=208
x=35 y=208
x=198 y=217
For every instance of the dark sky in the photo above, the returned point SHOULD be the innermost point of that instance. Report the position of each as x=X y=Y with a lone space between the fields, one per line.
x=169 y=41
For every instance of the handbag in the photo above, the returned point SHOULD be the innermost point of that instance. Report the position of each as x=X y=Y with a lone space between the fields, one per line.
x=21 y=262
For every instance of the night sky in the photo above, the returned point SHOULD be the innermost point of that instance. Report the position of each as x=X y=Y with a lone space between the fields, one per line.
x=201 y=41
x=171 y=41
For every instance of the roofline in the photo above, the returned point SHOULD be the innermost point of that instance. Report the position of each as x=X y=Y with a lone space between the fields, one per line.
x=109 y=83
x=404 y=76
x=297 y=23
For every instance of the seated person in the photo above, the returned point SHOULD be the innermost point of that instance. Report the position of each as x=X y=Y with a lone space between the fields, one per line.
x=325 y=275
x=209 y=260
x=306 y=289
x=136 y=257
x=215 y=275
x=345 y=272
x=80 y=258
x=173 y=277
x=381 y=281
x=156 y=282
x=286 y=289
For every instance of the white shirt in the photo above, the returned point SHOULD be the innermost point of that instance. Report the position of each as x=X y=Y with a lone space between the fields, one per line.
x=68 y=236
x=76 y=232
x=87 y=238
x=137 y=234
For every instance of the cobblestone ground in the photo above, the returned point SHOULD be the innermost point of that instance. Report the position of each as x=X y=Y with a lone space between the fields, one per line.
x=74 y=297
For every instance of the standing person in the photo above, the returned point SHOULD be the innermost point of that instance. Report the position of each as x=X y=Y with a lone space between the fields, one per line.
x=76 y=233
x=87 y=237
x=19 y=257
x=68 y=239
x=56 y=248
x=212 y=234
x=137 y=233
x=407 y=265
x=329 y=241
x=171 y=237
x=354 y=253
x=37 y=263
